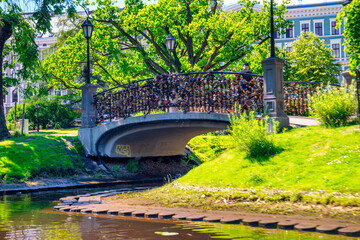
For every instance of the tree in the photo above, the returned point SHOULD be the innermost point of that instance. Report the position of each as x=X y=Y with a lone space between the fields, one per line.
x=17 y=45
x=128 y=44
x=351 y=32
x=311 y=60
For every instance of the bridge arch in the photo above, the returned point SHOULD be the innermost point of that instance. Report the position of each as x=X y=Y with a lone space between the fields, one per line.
x=163 y=134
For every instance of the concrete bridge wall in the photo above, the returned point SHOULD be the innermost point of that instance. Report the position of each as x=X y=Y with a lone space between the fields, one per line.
x=153 y=135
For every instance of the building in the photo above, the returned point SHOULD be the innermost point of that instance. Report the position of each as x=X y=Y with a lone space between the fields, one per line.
x=319 y=18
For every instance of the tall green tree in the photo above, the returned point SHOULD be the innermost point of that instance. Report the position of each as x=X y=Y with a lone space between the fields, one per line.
x=311 y=60
x=17 y=36
x=128 y=43
x=351 y=32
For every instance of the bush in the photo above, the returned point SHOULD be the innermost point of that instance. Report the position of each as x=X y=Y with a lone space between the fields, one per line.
x=333 y=106
x=253 y=135
x=51 y=113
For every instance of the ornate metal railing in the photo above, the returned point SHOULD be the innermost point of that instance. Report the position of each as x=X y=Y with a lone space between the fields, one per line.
x=219 y=92
x=296 y=97
x=189 y=92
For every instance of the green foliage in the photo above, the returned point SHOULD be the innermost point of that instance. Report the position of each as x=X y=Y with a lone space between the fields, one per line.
x=255 y=136
x=208 y=37
x=133 y=166
x=351 y=32
x=26 y=157
x=311 y=60
x=116 y=168
x=51 y=113
x=333 y=106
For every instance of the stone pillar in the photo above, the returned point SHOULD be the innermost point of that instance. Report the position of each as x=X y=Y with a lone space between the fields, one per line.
x=88 y=110
x=348 y=78
x=274 y=90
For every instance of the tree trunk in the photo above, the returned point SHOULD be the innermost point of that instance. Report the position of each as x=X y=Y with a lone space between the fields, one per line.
x=5 y=34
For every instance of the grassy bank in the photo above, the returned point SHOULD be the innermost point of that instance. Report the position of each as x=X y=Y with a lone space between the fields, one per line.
x=54 y=153
x=317 y=168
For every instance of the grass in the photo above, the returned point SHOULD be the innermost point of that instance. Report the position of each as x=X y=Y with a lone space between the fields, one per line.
x=313 y=158
x=40 y=155
x=318 y=168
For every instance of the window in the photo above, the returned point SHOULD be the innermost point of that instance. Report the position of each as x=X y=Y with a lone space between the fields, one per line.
x=289 y=33
x=305 y=27
x=14 y=96
x=334 y=31
x=319 y=29
x=277 y=34
x=336 y=50
x=44 y=45
x=58 y=93
x=288 y=49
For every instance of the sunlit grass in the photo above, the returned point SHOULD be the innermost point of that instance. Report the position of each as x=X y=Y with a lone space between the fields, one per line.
x=313 y=158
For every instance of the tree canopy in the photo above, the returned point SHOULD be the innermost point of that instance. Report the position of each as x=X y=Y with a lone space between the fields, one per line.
x=311 y=60
x=128 y=44
x=351 y=32
x=18 y=50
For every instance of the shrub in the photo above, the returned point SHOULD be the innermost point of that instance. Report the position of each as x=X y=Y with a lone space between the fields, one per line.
x=253 y=135
x=333 y=106
x=51 y=113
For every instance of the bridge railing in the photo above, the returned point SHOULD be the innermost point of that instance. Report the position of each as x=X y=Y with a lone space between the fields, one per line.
x=297 y=96
x=208 y=92
x=188 y=92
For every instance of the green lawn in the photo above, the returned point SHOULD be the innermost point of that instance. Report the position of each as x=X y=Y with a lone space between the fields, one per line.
x=40 y=155
x=313 y=158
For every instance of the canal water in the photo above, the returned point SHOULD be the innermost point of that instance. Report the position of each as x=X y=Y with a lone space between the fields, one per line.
x=30 y=216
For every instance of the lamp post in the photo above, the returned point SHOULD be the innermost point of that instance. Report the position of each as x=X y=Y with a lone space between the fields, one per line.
x=37 y=106
x=87 y=29
x=170 y=45
x=272 y=37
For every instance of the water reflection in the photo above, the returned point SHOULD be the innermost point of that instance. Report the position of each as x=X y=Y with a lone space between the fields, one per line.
x=30 y=216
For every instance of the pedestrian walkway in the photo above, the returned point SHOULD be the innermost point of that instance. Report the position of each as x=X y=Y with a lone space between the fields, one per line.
x=301 y=121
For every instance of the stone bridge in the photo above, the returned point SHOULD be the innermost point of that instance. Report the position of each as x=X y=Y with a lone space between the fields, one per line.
x=158 y=116
x=152 y=135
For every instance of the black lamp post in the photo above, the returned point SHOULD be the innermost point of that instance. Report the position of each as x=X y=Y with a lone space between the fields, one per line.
x=170 y=45
x=87 y=29
x=37 y=106
x=272 y=37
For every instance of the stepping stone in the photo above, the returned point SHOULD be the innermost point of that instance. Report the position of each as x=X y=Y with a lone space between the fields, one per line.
x=57 y=207
x=179 y=217
x=194 y=218
x=138 y=213
x=152 y=215
x=212 y=219
x=350 y=231
x=113 y=212
x=253 y=222
x=75 y=210
x=233 y=220
x=287 y=225
x=93 y=199
x=85 y=210
x=166 y=215
x=65 y=209
x=126 y=212
x=268 y=223
x=329 y=229
x=100 y=211
x=68 y=201
x=306 y=227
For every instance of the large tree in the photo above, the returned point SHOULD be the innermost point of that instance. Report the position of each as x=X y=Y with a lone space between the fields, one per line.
x=18 y=50
x=351 y=32
x=128 y=43
x=311 y=60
